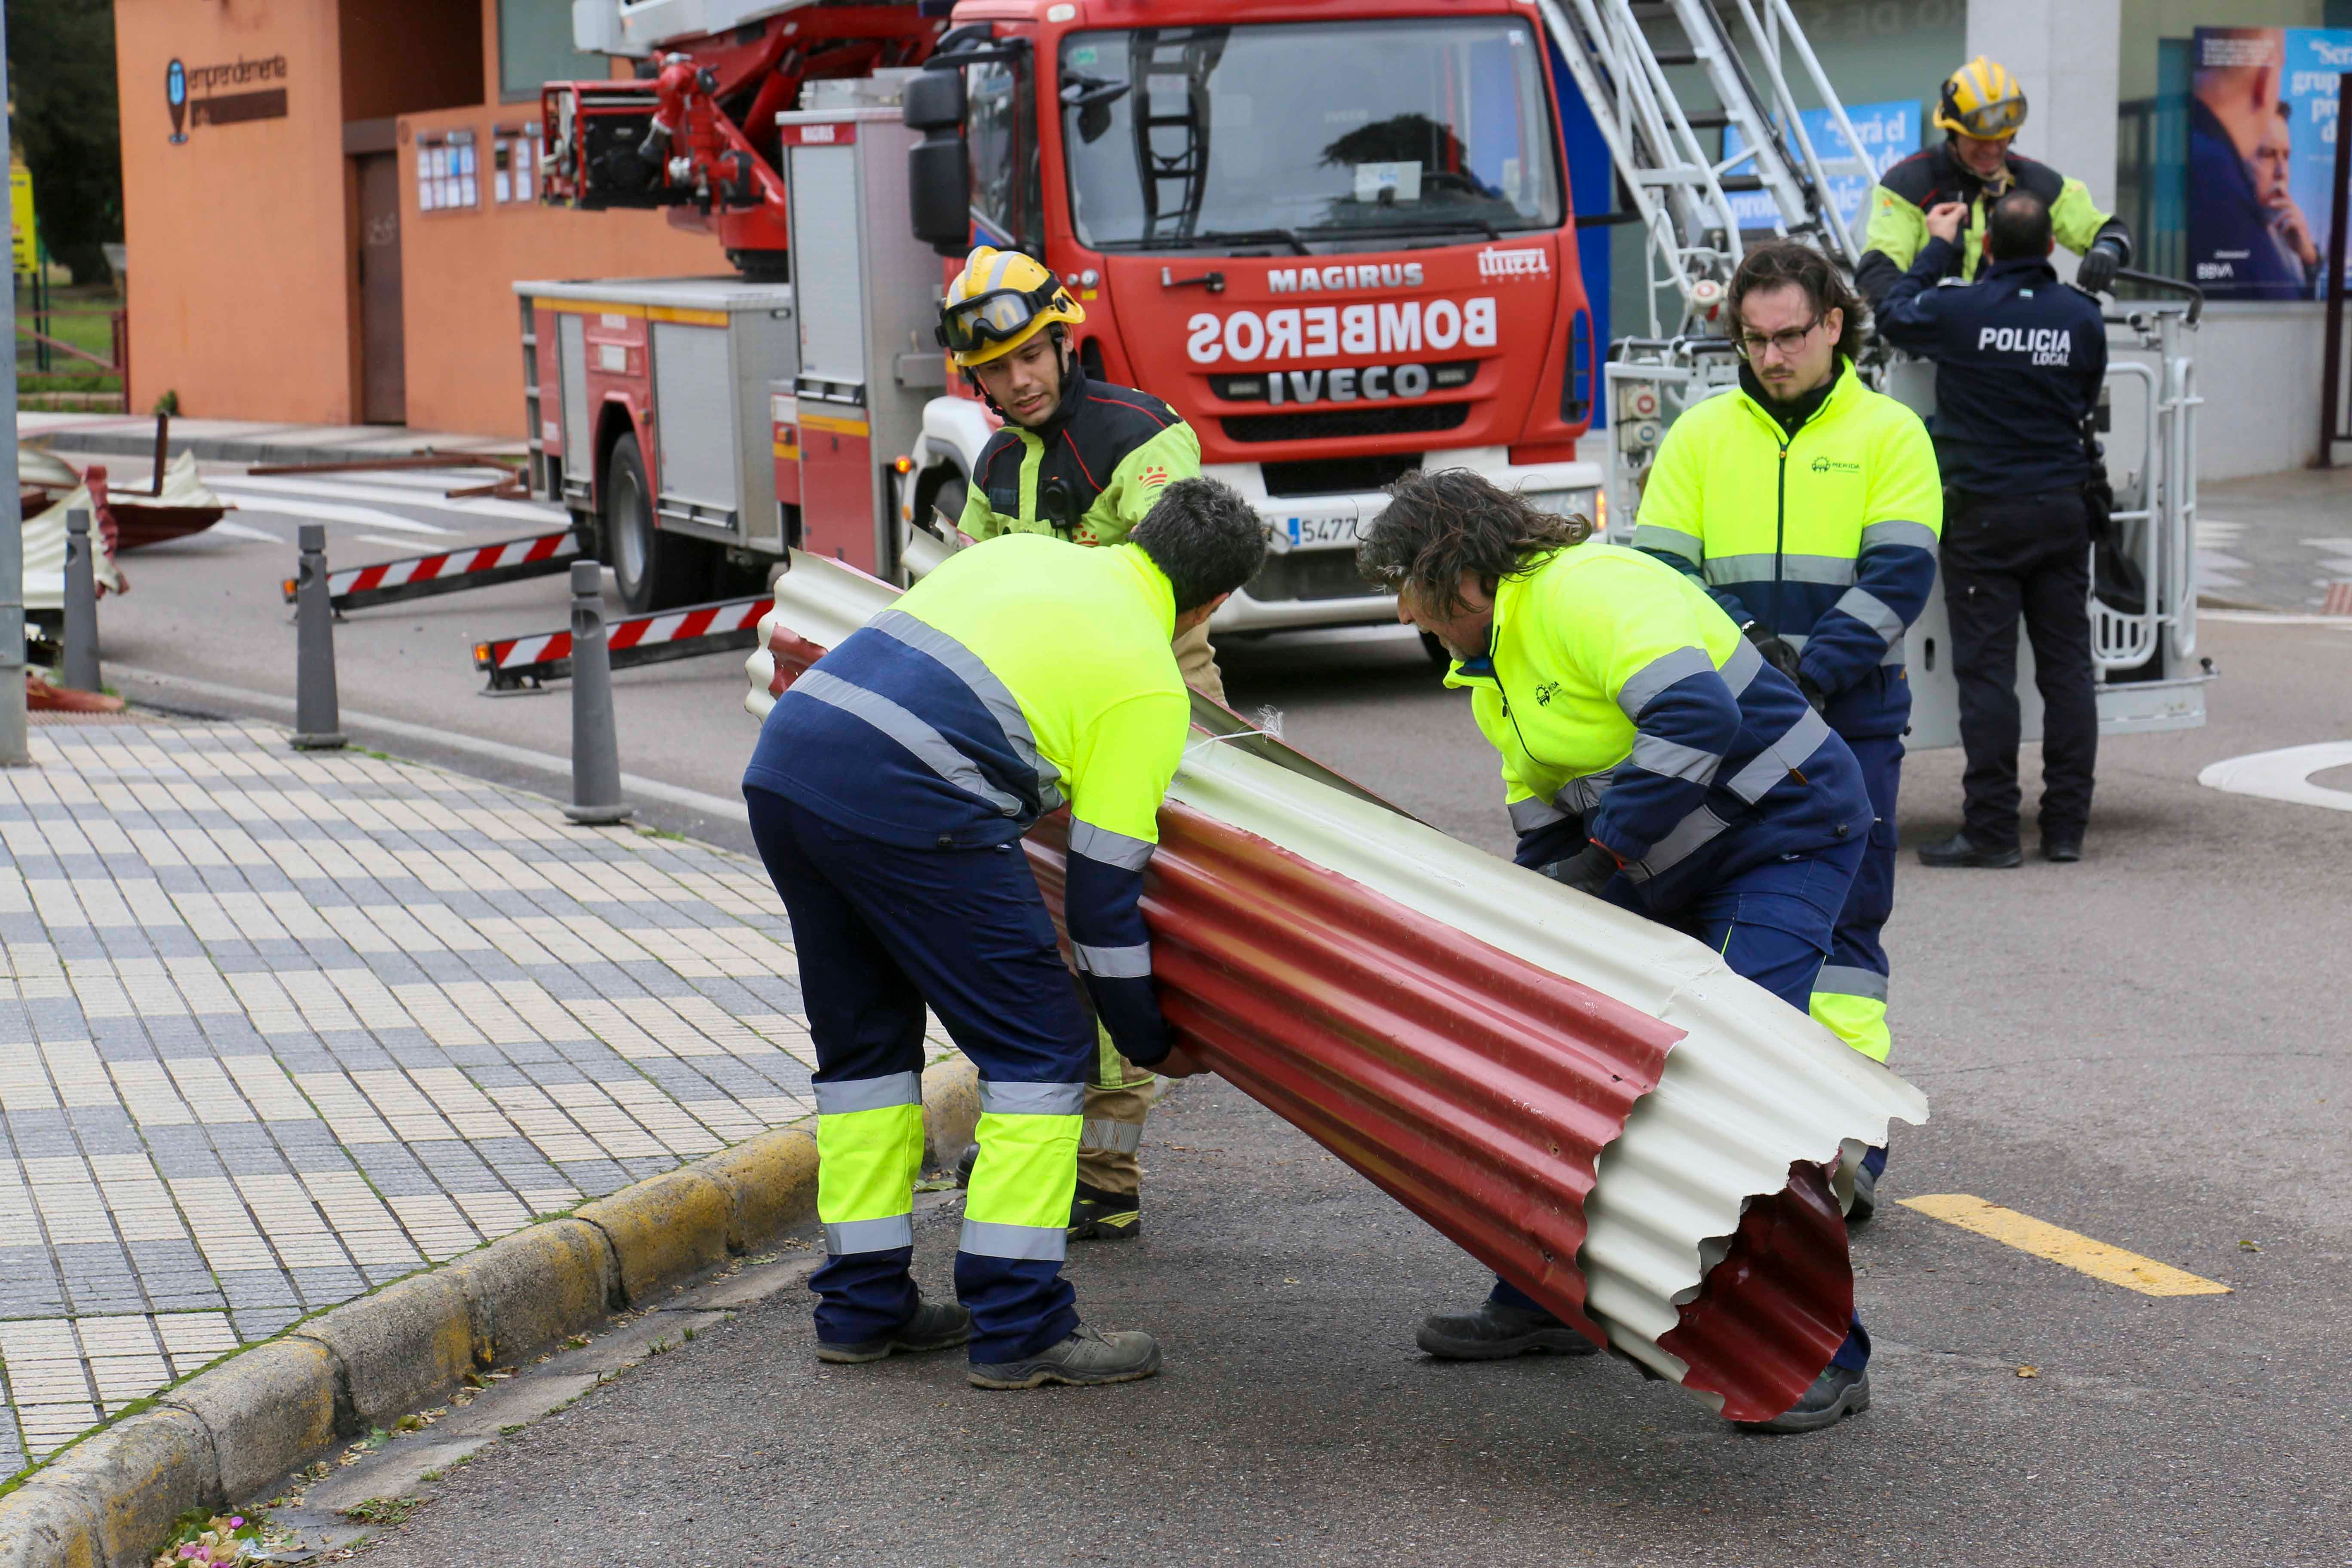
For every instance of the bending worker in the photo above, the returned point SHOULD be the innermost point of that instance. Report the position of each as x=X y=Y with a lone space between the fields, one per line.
x=1651 y=758
x=1809 y=507
x=1083 y=461
x=889 y=794
x=1981 y=109
x=2020 y=358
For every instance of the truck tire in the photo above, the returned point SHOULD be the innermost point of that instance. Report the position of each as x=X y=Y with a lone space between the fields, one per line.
x=652 y=570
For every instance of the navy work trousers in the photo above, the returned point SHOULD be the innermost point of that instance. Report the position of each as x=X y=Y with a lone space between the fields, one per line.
x=881 y=930
x=1773 y=923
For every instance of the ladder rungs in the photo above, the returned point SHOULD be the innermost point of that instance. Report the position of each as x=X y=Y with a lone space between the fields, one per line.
x=1675 y=57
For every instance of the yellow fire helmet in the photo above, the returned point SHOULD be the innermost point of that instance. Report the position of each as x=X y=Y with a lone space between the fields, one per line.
x=1981 y=99
x=1000 y=300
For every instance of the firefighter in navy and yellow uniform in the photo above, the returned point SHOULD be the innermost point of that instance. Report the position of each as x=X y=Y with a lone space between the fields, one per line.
x=1651 y=757
x=1809 y=507
x=889 y=793
x=1083 y=461
x=1980 y=109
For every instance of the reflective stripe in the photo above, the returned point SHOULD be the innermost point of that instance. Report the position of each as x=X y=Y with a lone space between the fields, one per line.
x=1036 y=1244
x=930 y=748
x=1100 y=844
x=1118 y=1137
x=849 y=1095
x=1917 y=535
x=1032 y=1098
x=1893 y=655
x=1872 y=611
x=980 y=680
x=1834 y=570
x=1673 y=760
x=1530 y=814
x=1844 y=980
x=1690 y=835
x=1654 y=676
x=1782 y=757
x=1581 y=795
x=1673 y=541
x=1740 y=669
x=1114 y=963
x=869 y=1235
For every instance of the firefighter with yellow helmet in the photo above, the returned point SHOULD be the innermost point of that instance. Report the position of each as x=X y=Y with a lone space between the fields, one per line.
x=1981 y=109
x=1083 y=461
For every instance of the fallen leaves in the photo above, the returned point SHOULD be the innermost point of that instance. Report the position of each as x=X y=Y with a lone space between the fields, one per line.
x=2028 y=1371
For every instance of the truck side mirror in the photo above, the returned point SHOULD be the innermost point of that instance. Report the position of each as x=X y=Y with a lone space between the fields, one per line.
x=938 y=167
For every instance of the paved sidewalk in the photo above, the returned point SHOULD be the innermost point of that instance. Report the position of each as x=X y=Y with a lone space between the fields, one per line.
x=278 y=1028
x=2277 y=542
x=246 y=441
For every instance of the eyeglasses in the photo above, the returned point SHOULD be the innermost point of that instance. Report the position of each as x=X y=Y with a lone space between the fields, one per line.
x=1787 y=341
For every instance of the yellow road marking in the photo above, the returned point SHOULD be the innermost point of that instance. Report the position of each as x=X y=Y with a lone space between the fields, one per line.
x=2080 y=1253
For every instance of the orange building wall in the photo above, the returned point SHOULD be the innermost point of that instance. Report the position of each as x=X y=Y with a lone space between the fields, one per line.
x=402 y=55
x=238 y=238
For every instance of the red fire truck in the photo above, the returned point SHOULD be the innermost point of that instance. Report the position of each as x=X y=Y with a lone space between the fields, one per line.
x=1336 y=235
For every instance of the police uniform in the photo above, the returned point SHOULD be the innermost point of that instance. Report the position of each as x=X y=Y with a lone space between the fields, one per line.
x=1817 y=522
x=888 y=793
x=1631 y=712
x=2020 y=358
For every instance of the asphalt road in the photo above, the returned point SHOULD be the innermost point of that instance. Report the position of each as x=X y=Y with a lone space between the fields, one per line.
x=2149 y=1048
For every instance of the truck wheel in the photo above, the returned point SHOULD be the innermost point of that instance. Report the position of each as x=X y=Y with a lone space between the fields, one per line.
x=654 y=571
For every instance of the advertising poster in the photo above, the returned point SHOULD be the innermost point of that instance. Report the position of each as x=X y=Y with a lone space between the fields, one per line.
x=2261 y=154
x=1889 y=133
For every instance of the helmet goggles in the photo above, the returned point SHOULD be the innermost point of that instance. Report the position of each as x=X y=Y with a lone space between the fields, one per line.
x=998 y=316
x=1990 y=121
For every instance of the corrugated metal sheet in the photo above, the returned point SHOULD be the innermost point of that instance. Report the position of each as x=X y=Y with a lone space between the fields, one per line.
x=1441 y=1019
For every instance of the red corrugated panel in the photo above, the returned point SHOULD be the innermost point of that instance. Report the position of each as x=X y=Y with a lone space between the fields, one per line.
x=1770 y=1315
x=1474 y=1088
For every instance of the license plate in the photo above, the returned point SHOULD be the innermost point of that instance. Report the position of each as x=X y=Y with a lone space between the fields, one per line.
x=1312 y=533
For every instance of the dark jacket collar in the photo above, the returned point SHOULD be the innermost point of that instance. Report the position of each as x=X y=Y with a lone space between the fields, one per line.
x=1793 y=415
x=2025 y=268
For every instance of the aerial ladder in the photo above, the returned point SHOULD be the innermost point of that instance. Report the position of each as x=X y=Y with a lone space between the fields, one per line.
x=1647 y=69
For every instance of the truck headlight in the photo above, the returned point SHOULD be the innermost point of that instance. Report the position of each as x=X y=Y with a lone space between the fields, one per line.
x=1584 y=503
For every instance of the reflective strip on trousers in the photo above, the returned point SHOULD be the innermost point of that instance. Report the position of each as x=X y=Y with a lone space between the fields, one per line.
x=1032 y=1098
x=1118 y=1137
x=869 y=1235
x=1020 y=1243
x=1114 y=963
x=1846 y=980
x=843 y=1096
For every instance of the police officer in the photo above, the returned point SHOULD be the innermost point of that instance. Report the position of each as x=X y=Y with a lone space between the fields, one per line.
x=1651 y=757
x=1981 y=109
x=887 y=796
x=1809 y=506
x=1079 y=459
x=2018 y=361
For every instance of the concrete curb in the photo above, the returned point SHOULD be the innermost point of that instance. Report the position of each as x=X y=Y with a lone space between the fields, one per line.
x=230 y=1433
x=268 y=449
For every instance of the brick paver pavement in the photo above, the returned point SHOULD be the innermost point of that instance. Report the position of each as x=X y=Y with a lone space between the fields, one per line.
x=278 y=1028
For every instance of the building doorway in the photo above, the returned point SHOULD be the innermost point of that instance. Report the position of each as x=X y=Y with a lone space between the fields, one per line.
x=383 y=366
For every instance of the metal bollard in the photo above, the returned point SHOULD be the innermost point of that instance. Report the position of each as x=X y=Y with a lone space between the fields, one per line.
x=317 y=714
x=595 y=749
x=80 y=666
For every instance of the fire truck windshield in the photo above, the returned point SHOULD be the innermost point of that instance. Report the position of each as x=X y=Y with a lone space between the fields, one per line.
x=1181 y=138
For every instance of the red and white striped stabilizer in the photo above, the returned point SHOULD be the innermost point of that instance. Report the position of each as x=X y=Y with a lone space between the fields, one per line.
x=512 y=662
x=421 y=577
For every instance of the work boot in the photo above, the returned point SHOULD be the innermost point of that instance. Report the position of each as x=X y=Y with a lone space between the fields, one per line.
x=936 y=1326
x=963 y=1166
x=2061 y=848
x=1099 y=1216
x=1960 y=850
x=1838 y=1393
x=1865 y=1196
x=1084 y=1360
x=1494 y=1331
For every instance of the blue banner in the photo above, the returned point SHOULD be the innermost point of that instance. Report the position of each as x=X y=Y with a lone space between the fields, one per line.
x=1889 y=132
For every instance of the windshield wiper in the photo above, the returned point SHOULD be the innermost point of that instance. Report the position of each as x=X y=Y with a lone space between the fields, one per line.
x=1288 y=236
x=1410 y=230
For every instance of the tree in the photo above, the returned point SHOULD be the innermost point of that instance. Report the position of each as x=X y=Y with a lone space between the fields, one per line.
x=67 y=125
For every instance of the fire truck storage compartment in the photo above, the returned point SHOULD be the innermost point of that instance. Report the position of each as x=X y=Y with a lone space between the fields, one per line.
x=868 y=361
x=699 y=384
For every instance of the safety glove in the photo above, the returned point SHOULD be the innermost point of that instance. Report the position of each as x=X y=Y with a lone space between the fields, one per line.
x=1587 y=873
x=1777 y=651
x=2096 y=274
